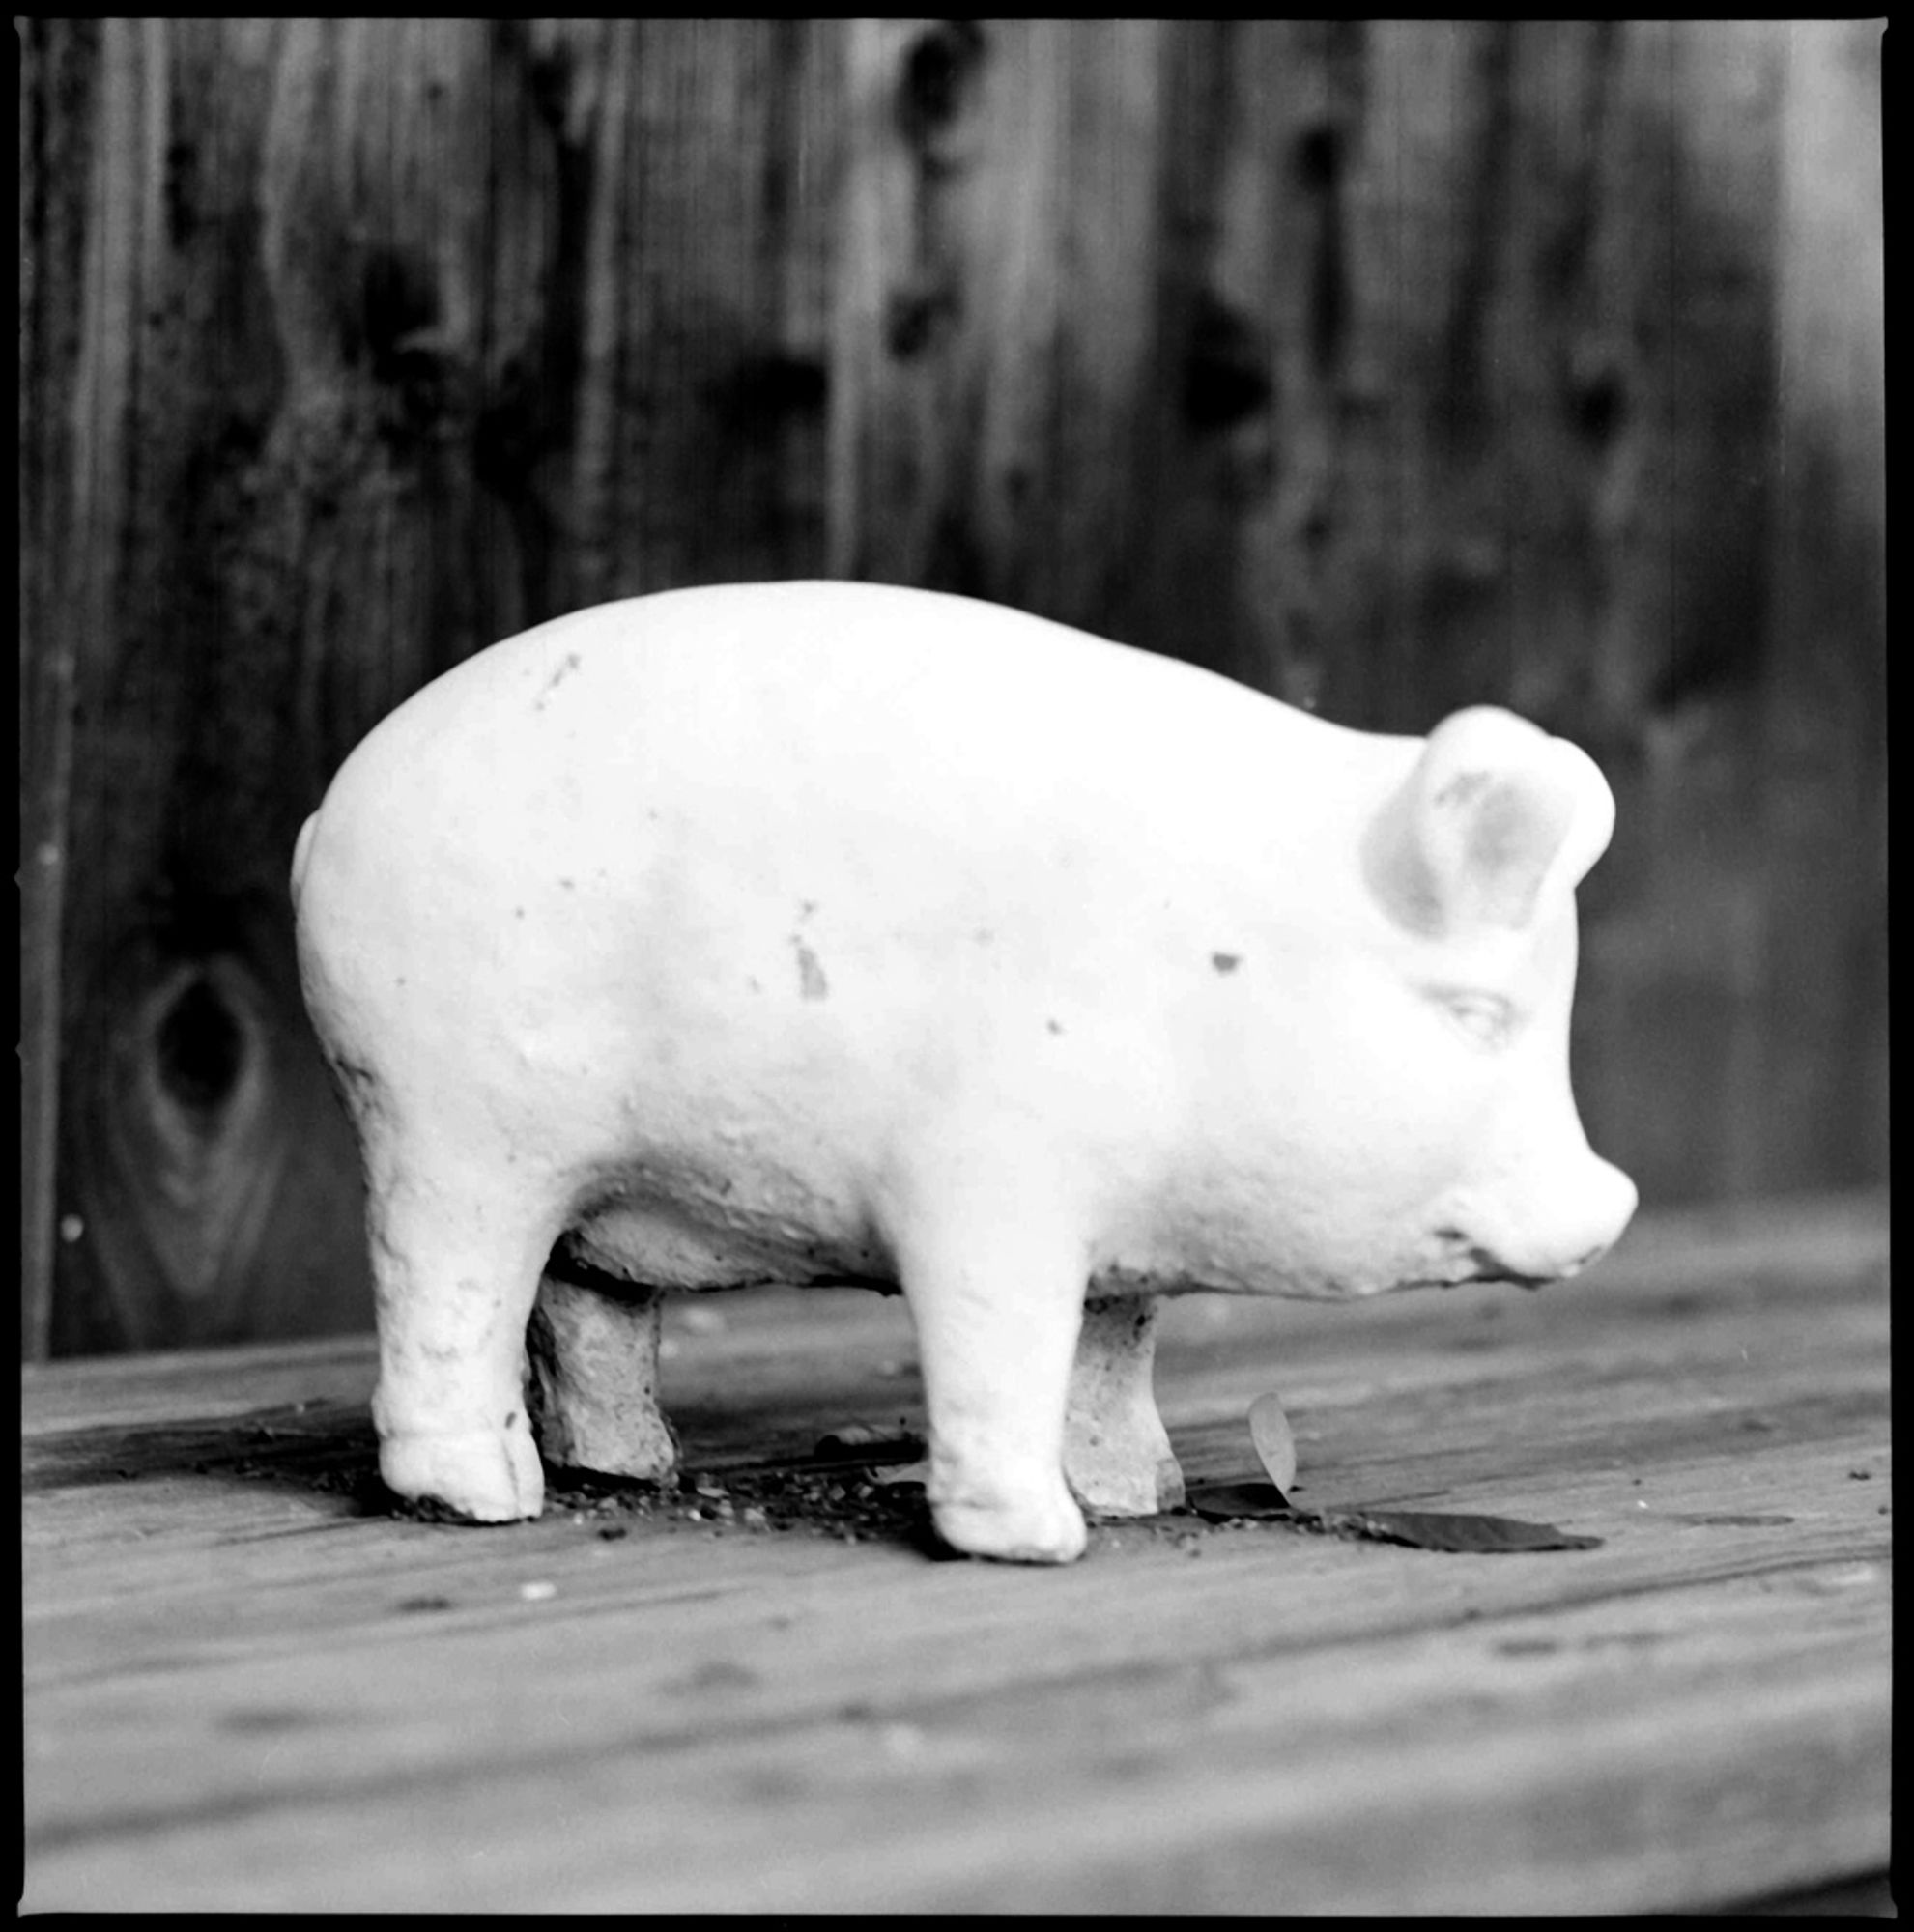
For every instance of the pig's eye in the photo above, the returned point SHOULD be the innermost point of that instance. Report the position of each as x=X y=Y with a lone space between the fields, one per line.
x=1483 y=1016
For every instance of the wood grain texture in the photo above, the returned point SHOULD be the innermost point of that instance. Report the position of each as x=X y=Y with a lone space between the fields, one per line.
x=245 y=1689
x=56 y=73
x=1386 y=366
x=995 y=351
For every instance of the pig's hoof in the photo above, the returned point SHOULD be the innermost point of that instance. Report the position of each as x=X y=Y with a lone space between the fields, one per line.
x=635 y=1443
x=1114 y=1488
x=482 y=1476
x=1044 y=1530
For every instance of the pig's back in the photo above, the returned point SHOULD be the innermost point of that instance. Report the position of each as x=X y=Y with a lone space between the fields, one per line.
x=757 y=702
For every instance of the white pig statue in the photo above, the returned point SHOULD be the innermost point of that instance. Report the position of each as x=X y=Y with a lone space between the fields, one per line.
x=826 y=933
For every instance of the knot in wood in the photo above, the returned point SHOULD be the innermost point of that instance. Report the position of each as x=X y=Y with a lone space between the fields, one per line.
x=942 y=77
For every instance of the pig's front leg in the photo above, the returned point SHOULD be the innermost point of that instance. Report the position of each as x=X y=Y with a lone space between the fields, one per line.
x=1116 y=1453
x=593 y=1379
x=996 y=1303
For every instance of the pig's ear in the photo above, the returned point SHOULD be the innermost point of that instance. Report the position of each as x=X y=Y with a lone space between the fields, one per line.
x=1493 y=813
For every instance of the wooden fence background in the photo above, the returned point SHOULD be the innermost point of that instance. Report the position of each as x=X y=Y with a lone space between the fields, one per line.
x=1386 y=367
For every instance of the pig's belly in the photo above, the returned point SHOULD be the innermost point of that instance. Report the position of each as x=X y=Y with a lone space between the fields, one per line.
x=687 y=1243
x=673 y=1246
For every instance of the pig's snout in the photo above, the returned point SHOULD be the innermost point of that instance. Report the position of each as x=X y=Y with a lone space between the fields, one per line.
x=1611 y=1200
x=1589 y=1212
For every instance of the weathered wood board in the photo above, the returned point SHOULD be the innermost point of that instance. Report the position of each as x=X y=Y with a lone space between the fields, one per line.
x=248 y=1687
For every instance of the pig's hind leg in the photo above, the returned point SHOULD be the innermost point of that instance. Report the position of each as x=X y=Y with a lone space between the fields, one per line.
x=457 y=1253
x=1117 y=1455
x=593 y=1381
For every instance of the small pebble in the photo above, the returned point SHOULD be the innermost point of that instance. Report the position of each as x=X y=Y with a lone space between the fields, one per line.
x=537 y=1593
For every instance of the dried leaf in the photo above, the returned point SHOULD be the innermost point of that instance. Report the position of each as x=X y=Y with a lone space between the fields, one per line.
x=1274 y=1440
x=907 y=1472
x=1419 y=1530
x=851 y=1434
x=1432 y=1529
x=1227 y=1502
x=861 y=1443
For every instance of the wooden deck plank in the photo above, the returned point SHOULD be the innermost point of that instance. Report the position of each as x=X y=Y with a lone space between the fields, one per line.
x=244 y=1690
